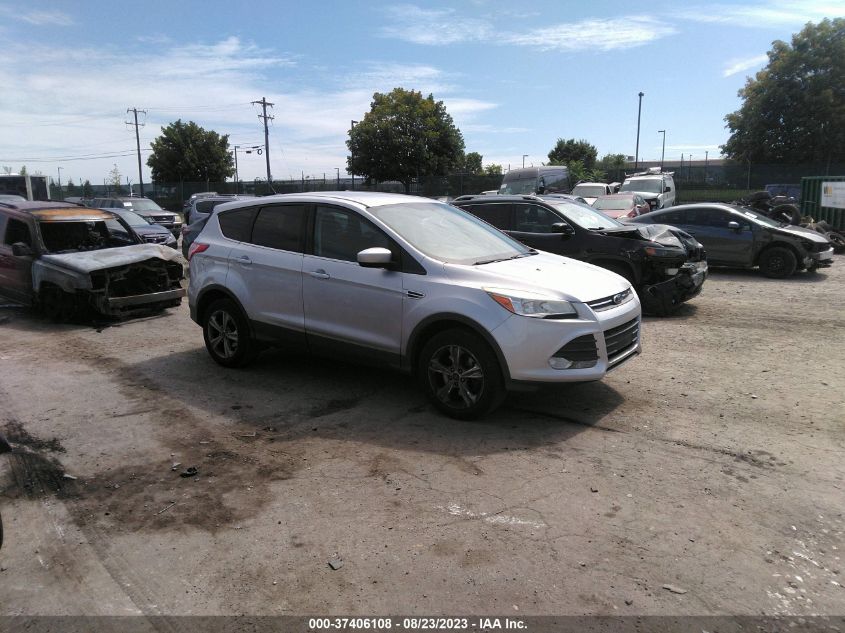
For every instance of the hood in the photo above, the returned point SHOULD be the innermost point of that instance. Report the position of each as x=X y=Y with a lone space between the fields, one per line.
x=589 y=200
x=546 y=273
x=659 y=233
x=89 y=261
x=803 y=233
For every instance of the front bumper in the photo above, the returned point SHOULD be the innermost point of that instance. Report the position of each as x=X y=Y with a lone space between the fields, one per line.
x=528 y=344
x=146 y=299
x=661 y=298
x=819 y=260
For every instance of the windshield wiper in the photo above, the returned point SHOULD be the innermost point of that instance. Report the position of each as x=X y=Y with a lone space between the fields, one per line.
x=504 y=259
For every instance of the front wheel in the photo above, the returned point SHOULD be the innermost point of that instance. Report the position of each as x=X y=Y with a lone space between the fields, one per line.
x=778 y=262
x=226 y=333
x=461 y=375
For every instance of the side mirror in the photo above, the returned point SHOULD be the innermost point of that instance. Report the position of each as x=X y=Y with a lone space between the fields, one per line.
x=667 y=189
x=734 y=226
x=20 y=249
x=375 y=258
x=563 y=227
x=541 y=190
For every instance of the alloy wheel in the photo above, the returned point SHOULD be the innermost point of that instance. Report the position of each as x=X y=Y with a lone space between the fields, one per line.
x=223 y=334
x=456 y=376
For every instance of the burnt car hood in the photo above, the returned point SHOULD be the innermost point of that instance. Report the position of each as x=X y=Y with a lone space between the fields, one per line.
x=660 y=233
x=803 y=233
x=89 y=261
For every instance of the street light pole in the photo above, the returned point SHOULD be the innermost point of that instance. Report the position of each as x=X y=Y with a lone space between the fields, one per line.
x=663 y=151
x=61 y=193
x=352 y=158
x=637 y=153
x=706 y=153
x=524 y=156
x=337 y=169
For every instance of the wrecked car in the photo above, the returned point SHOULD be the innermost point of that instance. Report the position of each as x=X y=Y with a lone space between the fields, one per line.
x=665 y=265
x=69 y=260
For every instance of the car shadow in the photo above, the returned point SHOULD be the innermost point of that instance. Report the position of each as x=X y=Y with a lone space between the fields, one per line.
x=30 y=320
x=287 y=397
x=748 y=274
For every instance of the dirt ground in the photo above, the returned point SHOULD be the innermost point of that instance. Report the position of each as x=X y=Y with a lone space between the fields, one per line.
x=713 y=464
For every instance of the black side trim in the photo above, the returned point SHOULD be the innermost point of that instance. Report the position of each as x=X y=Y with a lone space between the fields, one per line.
x=414 y=342
x=359 y=354
x=279 y=336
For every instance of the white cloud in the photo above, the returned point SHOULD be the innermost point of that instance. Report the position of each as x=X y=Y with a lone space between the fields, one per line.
x=445 y=26
x=774 y=13
x=603 y=35
x=734 y=66
x=36 y=18
x=433 y=27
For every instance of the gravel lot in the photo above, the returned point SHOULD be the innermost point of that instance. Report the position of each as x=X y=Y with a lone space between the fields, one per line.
x=713 y=463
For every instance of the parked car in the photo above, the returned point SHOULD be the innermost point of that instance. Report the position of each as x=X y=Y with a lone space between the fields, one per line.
x=202 y=205
x=66 y=259
x=190 y=233
x=787 y=191
x=591 y=190
x=666 y=266
x=406 y=282
x=11 y=197
x=737 y=236
x=551 y=179
x=655 y=186
x=618 y=205
x=143 y=207
x=150 y=233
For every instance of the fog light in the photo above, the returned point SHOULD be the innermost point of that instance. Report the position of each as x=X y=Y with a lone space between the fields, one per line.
x=560 y=363
x=671 y=271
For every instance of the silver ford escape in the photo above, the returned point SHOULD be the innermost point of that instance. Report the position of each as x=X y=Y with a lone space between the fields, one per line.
x=406 y=282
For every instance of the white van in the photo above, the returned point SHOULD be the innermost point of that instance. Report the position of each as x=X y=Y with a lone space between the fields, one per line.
x=536 y=180
x=655 y=186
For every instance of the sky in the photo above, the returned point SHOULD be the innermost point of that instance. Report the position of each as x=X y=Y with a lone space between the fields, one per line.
x=515 y=77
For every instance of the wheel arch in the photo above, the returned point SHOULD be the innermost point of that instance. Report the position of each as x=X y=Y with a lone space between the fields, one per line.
x=779 y=244
x=434 y=324
x=609 y=263
x=211 y=294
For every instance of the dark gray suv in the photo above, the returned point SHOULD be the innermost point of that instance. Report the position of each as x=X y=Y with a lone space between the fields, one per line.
x=144 y=207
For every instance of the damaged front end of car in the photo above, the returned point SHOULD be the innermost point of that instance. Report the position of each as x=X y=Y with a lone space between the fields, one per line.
x=675 y=269
x=111 y=282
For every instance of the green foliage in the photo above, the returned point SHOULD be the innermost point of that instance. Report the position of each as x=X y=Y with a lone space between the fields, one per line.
x=114 y=176
x=405 y=136
x=578 y=172
x=23 y=171
x=472 y=163
x=612 y=161
x=187 y=152
x=564 y=152
x=793 y=111
x=87 y=189
x=493 y=169
x=70 y=188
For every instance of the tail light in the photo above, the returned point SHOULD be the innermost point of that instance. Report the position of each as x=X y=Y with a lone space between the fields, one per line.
x=196 y=247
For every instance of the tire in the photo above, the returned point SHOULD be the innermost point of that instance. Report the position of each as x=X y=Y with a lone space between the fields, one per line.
x=838 y=242
x=778 y=262
x=460 y=374
x=58 y=305
x=787 y=213
x=227 y=335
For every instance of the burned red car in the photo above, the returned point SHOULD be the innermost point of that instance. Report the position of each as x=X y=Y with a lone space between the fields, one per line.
x=619 y=205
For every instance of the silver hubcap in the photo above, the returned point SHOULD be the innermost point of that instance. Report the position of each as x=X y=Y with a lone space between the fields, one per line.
x=456 y=376
x=223 y=334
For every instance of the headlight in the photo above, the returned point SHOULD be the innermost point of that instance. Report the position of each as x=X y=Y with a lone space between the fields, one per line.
x=531 y=305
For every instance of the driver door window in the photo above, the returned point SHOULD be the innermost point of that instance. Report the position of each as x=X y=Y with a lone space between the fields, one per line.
x=531 y=218
x=340 y=234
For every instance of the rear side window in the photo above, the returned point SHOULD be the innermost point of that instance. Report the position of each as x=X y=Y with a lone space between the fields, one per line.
x=499 y=215
x=237 y=224
x=281 y=227
x=205 y=206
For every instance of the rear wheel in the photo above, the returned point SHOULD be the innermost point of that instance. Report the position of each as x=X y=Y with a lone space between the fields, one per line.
x=460 y=374
x=778 y=262
x=226 y=333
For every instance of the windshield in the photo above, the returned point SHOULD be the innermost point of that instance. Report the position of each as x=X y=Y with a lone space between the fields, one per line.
x=584 y=216
x=589 y=191
x=133 y=219
x=759 y=219
x=448 y=234
x=648 y=185
x=519 y=186
x=612 y=204
x=69 y=237
x=142 y=204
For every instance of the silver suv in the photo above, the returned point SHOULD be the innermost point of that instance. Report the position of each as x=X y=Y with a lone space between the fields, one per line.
x=407 y=282
x=657 y=187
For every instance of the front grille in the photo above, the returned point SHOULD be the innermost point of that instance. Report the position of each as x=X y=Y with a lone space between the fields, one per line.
x=620 y=339
x=155 y=239
x=166 y=220
x=606 y=303
x=582 y=348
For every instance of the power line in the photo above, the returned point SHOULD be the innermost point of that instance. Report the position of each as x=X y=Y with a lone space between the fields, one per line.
x=117 y=154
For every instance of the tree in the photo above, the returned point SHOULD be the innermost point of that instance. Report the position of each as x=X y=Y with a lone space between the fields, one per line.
x=87 y=189
x=579 y=173
x=565 y=152
x=612 y=161
x=404 y=136
x=472 y=163
x=22 y=172
x=493 y=170
x=114 y=177
x=187 y=152
x=793 y=110
x=70 y=188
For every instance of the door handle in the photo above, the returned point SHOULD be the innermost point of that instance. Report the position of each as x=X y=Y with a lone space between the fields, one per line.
x=320 y=274
x=243 y=259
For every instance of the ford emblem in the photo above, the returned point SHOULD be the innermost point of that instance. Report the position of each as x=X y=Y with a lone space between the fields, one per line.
x=618 y=298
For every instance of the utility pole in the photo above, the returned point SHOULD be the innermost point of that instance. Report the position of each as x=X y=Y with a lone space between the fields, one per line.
x=639 y=112
x=524 y=156
x=706 y=155
x=235 y=147
x=265 y=117
x=352 y=156
x=663 y=151
x=61 y=193
x=135 y=111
